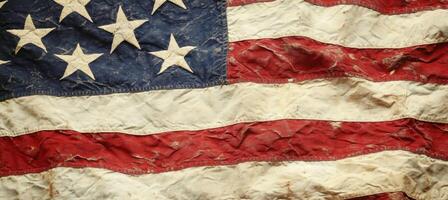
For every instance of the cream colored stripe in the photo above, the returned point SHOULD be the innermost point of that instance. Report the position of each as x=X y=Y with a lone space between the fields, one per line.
x=339 y=99
x=419 y=176
x=346 y=25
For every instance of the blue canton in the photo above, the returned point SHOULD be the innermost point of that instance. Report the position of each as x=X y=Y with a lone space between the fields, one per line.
x=177 y=44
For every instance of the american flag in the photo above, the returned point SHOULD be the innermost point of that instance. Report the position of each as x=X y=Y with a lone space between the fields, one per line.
x=216 y=99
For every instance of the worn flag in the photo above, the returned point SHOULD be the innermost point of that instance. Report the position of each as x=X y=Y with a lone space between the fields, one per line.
x=216 y=99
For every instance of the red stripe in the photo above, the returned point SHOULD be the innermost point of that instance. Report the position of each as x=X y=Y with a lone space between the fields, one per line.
x=385 y=196
x=299 y=58
x=388 y=6
x=382 y=6
x=244 y=2
x=263 y=141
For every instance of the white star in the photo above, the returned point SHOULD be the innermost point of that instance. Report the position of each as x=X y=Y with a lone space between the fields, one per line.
x=30 y=34
x=174 y=55
x=159 y=3
x=71 y=6
x=2 y=3
x=78 y=61
x=123 y=30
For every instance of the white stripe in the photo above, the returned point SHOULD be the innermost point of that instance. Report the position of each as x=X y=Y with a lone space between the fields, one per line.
x=340 y=99
x=347 y=25
x=419 y=176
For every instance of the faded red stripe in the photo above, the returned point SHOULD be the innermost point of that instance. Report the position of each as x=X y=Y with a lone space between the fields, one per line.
x=388 y=6
x=262 y=141
x=382 y=6
x=299 y=58
x=244 y=2
x=385 y=196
